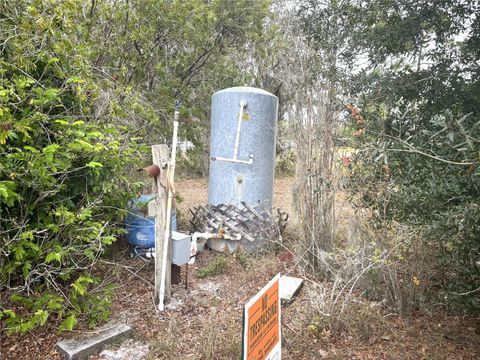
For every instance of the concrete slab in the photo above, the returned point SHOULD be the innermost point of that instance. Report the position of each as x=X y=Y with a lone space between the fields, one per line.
x=289 y=287
x=81 y=348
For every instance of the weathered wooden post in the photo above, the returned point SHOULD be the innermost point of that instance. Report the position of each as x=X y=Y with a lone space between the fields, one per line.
x=163 y=170
x=160 y=155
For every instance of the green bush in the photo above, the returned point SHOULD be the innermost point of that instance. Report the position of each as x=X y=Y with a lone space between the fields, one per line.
x=63 y=168
x=417 y=128
x=429 y=183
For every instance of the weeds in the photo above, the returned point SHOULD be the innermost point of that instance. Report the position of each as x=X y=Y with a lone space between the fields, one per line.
x=371 y=272
x=165 y=346
x=221 y=341
x=350 y=315
x=215 y=267
x=242 y=259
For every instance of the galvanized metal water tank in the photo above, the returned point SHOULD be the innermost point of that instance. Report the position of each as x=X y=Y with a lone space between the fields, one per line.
x=242 y=153
x=242 y=147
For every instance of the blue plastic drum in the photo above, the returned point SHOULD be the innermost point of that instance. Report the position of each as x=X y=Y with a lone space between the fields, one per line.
x=141 y=227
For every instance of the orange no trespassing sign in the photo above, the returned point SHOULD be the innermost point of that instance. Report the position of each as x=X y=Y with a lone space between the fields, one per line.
x=261 y=324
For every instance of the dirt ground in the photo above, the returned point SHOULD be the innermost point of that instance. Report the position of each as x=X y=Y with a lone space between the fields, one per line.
x=204 y=319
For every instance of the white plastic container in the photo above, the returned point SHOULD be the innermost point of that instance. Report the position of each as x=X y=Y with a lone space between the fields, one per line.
x=180 y=248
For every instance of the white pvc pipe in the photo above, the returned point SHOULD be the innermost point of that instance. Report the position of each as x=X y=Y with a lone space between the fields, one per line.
x=249 y=161
x=199 y=235
x=243 y=103
x=170 y=174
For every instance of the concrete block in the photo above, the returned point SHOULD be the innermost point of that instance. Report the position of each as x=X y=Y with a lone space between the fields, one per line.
x=83 y=347
x=289 y=287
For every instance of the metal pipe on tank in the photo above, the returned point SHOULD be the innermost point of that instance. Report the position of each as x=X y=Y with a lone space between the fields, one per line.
x=243 y=104
x=251 y=156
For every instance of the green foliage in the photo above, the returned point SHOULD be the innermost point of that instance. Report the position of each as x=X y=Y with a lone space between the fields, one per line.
x=190 y=164
x=285 y=152
x=413 y=83
x=243 y=259
x=174 y=56
x=285 y=162
x=418 y=123
x=94 y=308
x=62 y=166
x=215 y=267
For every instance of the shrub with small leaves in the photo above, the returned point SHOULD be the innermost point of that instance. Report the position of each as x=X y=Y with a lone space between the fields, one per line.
x=63 y=181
